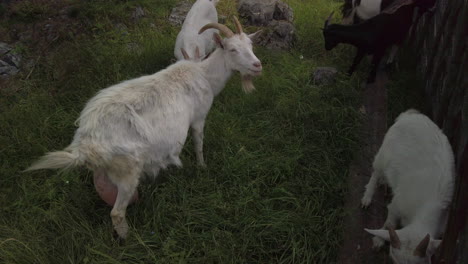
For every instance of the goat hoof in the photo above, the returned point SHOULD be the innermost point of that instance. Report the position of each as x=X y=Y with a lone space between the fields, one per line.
x=118 y=240
x=117 y=237
x=120 y=226
x=122 y=231
x=365 y=202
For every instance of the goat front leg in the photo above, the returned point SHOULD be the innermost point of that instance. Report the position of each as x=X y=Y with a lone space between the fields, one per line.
x=370 y=189
x=197 y=134
x=357 y=59
x=392 y=217
x=375 y=65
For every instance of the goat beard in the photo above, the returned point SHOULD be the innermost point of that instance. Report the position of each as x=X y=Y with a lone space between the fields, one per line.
x=247 y=83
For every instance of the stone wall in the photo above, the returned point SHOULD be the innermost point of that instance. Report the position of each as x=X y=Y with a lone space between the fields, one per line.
x=441 y=42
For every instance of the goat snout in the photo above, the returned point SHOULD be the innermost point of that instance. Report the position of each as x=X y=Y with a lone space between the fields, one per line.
x=258 y=65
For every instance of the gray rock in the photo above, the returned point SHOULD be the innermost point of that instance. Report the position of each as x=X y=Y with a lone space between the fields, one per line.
x=283 y=12
x=178 y=14
x=257 y=12
x=273 y=14
x=9 y=61
x=262 y=12
x=6 y=70
x=4 y=48
x=325 y=75
x=138 y=13
x=8 y=54
x=280 y=35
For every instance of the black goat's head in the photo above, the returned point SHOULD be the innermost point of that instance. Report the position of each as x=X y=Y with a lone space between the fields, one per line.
x=330 y=39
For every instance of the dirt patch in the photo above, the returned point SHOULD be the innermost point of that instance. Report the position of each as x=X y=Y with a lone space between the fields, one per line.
x=357 y=246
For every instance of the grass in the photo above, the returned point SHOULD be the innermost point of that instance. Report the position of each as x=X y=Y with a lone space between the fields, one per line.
x=277 y=158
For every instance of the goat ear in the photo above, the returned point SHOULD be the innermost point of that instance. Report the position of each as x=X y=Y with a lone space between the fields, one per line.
x=218 y=40
x=382 y=233
x=421 y=249
x=394 y=239
x=254 y=36
x=197 y=53
x=185 y=54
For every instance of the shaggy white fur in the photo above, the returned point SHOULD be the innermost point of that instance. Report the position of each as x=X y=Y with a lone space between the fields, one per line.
x=416 y=161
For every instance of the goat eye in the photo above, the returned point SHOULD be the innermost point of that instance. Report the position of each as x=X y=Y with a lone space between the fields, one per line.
x=233 y=50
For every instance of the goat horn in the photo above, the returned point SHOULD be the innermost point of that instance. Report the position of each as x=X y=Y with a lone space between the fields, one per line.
x=394 y=239
x=328 y=19
x=420 y=250
x=238 y=25
x=225 y=30
x=185 y=54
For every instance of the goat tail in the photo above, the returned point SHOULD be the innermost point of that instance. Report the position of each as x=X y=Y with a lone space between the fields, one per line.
x=65 y=159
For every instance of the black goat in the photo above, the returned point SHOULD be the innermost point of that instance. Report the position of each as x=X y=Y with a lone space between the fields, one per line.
x=372 y=36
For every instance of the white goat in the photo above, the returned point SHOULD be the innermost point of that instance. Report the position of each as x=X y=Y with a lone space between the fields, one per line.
x=201 y=13
x=416 y=161
x=141 y=125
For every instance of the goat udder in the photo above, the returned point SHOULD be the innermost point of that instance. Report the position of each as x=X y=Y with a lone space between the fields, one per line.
x=107 y=190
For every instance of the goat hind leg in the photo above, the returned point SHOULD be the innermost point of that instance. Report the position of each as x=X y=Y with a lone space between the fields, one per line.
x=197 y=134
x=126 y=185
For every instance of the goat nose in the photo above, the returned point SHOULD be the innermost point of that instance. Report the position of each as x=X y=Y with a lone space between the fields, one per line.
x=257 y=64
